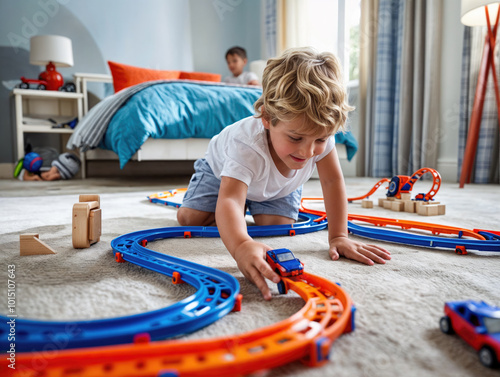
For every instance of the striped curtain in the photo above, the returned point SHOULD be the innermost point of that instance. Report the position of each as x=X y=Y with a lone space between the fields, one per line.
x=399 y=86
x=487 y=162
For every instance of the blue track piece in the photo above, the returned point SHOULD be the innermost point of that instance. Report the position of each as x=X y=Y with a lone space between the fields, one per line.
x=492 y=242
x=215 y=297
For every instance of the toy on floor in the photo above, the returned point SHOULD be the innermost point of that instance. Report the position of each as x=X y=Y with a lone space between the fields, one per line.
x=31 y=244
x=284 y=263
x=31 y=162
x=476 y=239
x=307 y=335
x=63 y=166
x=478 y=324
x=86 y=221
x=398 y=196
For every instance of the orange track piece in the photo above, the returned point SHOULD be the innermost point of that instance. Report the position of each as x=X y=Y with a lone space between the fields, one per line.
x=167 y=194
x=374 y=188
x=404 y=224
x=408 y=224
x=311 y=331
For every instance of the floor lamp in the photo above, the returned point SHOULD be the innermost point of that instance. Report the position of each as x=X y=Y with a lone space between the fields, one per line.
x=480 y=13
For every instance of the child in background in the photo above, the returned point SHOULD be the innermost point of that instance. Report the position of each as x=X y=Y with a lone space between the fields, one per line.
x=261 y=162
x=236 y=58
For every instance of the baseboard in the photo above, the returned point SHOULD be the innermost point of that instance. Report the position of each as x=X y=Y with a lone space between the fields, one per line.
x=6 y=170
x=448 y=168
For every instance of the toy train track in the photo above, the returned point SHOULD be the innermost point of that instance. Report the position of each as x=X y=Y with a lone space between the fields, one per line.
x=369 y=193
x=217 y=294
x=478 y=239
x=307 y=335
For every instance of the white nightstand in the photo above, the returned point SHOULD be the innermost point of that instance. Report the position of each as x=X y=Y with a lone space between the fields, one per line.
x=33 y=104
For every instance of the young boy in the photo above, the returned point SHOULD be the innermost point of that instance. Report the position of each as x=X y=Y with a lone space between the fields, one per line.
x=236 y=58
x=261 y=162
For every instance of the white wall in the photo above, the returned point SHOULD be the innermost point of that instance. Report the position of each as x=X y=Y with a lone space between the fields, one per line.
x=451 y=60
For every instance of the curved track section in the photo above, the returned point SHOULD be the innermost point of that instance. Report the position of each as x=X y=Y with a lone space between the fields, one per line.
x=216 y=295
x=373 y=189
x=307 y=335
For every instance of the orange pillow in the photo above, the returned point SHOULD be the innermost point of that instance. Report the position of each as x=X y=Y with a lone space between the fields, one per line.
x=127 y=75
x=201 y=76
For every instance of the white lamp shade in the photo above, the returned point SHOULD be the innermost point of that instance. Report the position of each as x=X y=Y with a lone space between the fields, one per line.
x=473 y=13
x=51 y=48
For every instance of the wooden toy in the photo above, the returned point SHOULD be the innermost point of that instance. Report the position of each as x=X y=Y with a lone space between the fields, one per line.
x=30 y=244
x=86 y=221
x=366 y=203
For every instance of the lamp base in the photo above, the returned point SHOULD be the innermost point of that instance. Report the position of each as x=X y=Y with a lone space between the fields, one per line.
x=53 y=78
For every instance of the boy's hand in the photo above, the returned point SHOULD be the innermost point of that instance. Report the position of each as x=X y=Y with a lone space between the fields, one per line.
x=250 y=259
x=361 y=252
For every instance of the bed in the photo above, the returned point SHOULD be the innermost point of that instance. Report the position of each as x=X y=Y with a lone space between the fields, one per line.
x=162 y=120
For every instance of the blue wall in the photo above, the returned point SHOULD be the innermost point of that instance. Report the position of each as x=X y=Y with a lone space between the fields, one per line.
x=159 y=34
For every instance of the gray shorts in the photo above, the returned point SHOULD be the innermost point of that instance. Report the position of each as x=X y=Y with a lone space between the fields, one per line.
x=203 y=191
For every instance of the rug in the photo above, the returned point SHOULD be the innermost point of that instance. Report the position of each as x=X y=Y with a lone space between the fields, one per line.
x=399 y=304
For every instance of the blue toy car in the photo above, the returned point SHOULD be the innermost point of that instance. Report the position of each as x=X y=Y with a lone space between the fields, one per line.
x=284 y=262
x=478 y=324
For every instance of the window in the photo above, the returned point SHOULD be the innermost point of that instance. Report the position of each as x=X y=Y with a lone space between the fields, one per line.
x=334 y=25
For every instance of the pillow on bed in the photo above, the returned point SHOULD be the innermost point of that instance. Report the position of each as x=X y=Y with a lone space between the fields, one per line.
x=127 y=75
x=201 y=76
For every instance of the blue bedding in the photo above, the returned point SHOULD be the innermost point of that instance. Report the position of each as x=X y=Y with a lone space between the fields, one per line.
x=178 y=110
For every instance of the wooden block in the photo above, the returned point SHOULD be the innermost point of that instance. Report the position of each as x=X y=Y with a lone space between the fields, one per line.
x=366 y=203
x=95 y=225
x=391 y=198
x=388 y=204
x=441 y=209
x=381 y=202
x=90 y=198
x=86 y=221
x=409 y=206
x=418 y=204
x=398 y=206
x=428 y=210
x=30 y=244
x=405 y=196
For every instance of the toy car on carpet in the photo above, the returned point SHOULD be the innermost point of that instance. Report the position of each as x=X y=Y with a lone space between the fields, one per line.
x=478 y=323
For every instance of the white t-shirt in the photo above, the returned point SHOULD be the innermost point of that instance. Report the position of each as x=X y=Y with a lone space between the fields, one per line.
x=241 y=151
x=242 y=79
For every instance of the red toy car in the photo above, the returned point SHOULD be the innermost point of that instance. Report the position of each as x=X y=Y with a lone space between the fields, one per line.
x=43 y=85
x=25 y=83
x=478 y=324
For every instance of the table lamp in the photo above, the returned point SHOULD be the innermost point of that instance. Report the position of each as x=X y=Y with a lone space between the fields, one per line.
x=480 y=13
x=52 y=51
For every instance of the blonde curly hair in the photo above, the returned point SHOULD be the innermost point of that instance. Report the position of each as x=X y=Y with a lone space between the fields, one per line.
x=303 y=82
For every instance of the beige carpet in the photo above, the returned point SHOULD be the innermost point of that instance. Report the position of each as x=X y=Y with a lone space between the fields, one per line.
x=398 y=304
